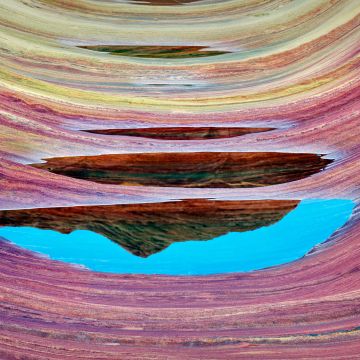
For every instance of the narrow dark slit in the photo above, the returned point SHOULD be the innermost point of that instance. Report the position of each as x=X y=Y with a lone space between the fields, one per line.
x=182 y=133
x=163 y=2
x=201 y=169
x=149 y=51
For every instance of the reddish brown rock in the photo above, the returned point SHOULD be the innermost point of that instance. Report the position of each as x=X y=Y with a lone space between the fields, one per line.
x=203 y=169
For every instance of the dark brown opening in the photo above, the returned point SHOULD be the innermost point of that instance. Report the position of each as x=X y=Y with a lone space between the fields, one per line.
x=202 y=169
x=182 y=133
x=163 y=2
x=149 y=51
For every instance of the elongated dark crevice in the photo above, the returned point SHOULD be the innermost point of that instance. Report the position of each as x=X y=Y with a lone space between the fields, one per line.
x=163 y=2
x=183 y=133
x=148 y=51
x=145 y=229
x=201 y=169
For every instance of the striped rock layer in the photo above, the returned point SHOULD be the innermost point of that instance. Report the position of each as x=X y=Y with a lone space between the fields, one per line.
x=120 y=79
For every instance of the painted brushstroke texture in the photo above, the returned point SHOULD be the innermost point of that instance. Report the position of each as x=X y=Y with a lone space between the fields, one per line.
x=292 y=66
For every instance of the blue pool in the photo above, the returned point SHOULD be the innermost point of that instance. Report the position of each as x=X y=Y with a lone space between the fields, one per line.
x=309 y=224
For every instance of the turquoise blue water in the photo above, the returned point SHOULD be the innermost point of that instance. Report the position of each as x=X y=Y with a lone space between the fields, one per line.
x=311 y=223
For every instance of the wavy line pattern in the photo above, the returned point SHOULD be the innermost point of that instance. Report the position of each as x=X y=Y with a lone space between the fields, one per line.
x=289 y=66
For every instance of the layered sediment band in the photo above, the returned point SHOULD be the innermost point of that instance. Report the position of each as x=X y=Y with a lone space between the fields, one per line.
x=293 y=66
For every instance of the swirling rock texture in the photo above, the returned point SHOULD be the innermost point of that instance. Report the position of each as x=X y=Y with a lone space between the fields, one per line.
x=71 y=69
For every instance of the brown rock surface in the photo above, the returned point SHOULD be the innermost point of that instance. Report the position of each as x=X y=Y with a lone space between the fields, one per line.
x=202 y=169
